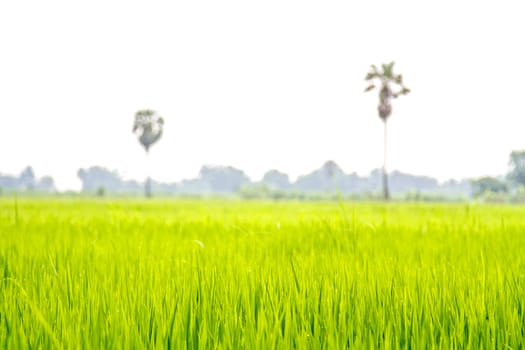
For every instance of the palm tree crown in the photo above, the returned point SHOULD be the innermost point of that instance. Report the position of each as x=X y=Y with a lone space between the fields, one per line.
x=148 y=127
x=387 y=79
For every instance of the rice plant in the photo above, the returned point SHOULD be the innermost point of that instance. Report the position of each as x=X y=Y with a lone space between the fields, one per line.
x=102 y=273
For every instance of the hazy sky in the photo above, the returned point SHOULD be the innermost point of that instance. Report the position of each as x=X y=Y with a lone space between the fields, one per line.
x=259 y=85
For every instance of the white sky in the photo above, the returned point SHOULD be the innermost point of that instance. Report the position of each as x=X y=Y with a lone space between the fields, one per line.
x=259 y=85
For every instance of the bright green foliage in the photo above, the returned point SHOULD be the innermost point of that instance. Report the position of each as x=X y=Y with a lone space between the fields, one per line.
x=104 y=274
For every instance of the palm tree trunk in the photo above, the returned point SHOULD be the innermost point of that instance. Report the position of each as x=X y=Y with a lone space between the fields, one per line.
x=147 y=184
x=148 y=187
x=386 y=192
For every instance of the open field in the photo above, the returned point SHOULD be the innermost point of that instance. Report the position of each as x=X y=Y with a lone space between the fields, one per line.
x=211 y=274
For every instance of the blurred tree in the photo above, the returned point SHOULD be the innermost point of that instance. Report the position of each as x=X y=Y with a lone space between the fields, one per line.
x=276 y=179
x=101 y=191
x=330 y=168
x=223 y=179
x=517 y=168
x=148 y=127
x=27 y=179
x=488 y=185
x=386 y=79
x=46 y=183
x=323 y=179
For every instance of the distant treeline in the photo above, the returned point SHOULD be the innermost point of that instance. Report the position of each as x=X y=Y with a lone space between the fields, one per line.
x=27 y=181
x=327 y=182
x=224 y=180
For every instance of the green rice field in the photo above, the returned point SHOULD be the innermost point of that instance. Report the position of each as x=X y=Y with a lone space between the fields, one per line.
x=228 y=274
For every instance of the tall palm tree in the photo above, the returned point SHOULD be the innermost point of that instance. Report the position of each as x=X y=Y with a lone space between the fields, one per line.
x=387 y=80
x=148 y=127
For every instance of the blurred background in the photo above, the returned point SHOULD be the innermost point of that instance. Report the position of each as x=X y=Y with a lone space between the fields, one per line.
x=245 y=88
